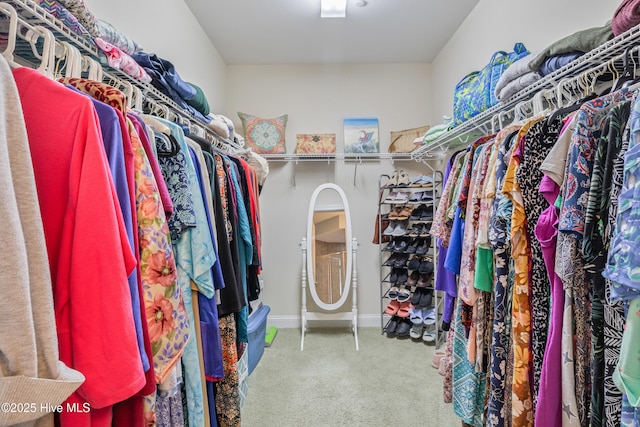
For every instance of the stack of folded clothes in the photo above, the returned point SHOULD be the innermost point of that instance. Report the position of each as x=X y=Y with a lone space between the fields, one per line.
x=565 y=50
x=626 y=16
x=114 y=46
x=166 y=79
x=515 y=78
x=435 y=132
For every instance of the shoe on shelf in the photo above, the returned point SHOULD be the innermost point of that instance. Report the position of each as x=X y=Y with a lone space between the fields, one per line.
x=429 y=336
x=405 y=212
x=395 y=211
x=393 y=293
x=390 y=246
x=403 y=178
x=391 y=260
x=400 y=228
x=404 y=294
x=416 y=197
x=403 y=310
x=425 y=181
x=390 y=228
x=415 y=299
x=412 y=248
x=402 y=276
x=404 y=326
x=426 y=266
x=416 y=331
x=392 y=307
x=401 y=197
x=391 y=197
x=393 y=181
x=429 y=316
x=401 y=262
x=424 y=280
x=401 y=245
x=391 y=327
x=423 y=247
x=414 y=264
x=413 y=278
x=415 y=315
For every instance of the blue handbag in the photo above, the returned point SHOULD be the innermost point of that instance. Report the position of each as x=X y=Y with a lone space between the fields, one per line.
x=475 y=93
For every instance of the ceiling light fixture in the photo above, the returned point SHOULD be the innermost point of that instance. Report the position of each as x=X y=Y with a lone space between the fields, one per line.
x=333 y=8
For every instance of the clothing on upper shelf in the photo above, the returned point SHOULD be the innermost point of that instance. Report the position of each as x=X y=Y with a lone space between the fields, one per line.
x=550 y=306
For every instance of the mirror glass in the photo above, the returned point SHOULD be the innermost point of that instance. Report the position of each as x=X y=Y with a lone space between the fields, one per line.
x=329 y=240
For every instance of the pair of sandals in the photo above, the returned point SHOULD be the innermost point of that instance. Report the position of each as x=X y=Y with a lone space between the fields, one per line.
x=397 y=197
x=420 y=331
x=399 y=178
x=421 y=181
x=397 y=308
x=399 y=292
x=400 y=212
x=421 y=196
x=398 y=326
x=419 y=230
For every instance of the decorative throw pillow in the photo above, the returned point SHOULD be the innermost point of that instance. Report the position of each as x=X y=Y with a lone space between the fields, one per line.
x=264 y=136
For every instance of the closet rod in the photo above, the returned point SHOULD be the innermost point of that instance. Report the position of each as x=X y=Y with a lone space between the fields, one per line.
x=31 y=13
x=609 y=52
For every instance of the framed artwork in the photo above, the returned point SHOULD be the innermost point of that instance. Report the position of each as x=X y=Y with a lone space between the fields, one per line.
x=361 y=135
x=315 y=143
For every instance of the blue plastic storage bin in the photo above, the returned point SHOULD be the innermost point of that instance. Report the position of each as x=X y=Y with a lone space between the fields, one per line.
x=257 y=331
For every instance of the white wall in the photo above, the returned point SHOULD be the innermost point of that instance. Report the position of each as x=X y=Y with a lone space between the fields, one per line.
x=169 y=29
x=317 y=99
x=497 y=25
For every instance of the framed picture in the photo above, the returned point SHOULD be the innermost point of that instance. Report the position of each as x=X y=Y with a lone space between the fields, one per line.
x=361 y=135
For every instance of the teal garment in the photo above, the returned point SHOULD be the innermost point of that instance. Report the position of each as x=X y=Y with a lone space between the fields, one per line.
x=627 y=375
x=195 y=257
x=199 y=101
x=468 y=385
x=245 y=249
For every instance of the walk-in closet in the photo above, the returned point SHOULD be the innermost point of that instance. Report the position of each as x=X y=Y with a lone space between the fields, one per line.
x=321 y=213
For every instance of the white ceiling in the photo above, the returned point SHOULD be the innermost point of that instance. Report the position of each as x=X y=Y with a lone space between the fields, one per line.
x=291 y=31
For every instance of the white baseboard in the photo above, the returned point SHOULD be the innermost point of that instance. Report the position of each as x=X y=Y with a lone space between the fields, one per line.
x=364 y=320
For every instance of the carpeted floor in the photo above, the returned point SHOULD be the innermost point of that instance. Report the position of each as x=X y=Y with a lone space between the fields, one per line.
x=389 y=382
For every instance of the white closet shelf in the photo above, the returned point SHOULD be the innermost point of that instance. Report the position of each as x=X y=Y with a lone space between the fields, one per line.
x=481 y=124
x=31 y=12
x=354 y=158
x=348 y=157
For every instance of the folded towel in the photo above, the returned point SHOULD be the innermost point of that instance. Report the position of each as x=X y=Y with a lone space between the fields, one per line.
x=515 y=70
x=581 y=41
x=626 y=16
x=517 y=85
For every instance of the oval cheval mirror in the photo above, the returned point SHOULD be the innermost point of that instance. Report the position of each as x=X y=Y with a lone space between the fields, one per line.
x=328 y=258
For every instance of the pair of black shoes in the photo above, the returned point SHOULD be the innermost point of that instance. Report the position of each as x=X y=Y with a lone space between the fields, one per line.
x=398 y=326
x=399 y=276
x=422 y=213
x=421 y=265
x=397 y=260
x=399 y=244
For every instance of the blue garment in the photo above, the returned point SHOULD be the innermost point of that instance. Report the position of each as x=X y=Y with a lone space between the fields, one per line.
x=556 y=62
x=114 y=147
x=445 y=279
x=454 y=254
x=194 y=259
x=166 y=79
x=207 y=307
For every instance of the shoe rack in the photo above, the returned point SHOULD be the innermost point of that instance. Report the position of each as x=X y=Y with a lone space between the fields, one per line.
x=409 y=303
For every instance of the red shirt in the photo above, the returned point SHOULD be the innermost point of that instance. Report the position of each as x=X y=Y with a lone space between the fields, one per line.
x=87 y=245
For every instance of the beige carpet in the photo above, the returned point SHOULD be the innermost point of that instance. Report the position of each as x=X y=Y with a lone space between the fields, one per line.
x=389 y=382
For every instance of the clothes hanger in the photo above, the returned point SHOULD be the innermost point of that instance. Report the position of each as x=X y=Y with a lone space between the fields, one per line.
x=7 y=53
x=628 y=71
